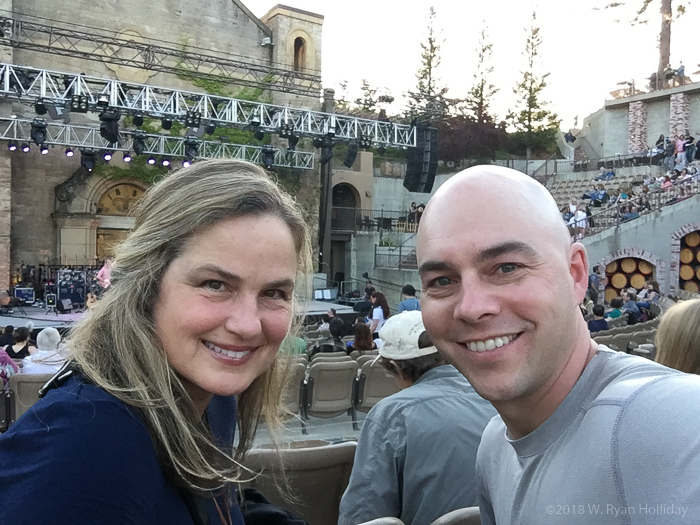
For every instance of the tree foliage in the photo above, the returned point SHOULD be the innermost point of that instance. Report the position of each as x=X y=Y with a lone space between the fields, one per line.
x=536 y=127
x=478 y=101
x=428 y=101
x=368 y=100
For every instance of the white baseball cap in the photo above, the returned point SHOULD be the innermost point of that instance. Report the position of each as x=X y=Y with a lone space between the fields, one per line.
x=400 y=335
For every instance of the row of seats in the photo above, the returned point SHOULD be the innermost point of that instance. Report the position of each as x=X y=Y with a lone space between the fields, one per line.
x=22 y=394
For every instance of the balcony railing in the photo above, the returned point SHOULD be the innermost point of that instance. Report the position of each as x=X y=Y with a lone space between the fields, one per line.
x=357 y=220
x=395 y=257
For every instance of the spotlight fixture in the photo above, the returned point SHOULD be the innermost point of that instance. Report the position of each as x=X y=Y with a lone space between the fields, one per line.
x=38 y=131
x=79 y=103
x=139 y=142
x=166 y=123
x=151 y=160
x=40 y=107
x=165 y=162
x=268 y=156
x=210 y=127
x=318 y=142
x=351 y=155
x=69 y=152
x=102 y=101
x=126 y=157
x=381 y=150
x=292 y=142
x=259 y=134
x=88 y=159
x=12 y=146
x=365 y=141
x=138 y=119
x=44 y=149
x=255 y=120
x=25 y=147
x=107 y=156
x=186 y=163
x=191 y=147
x=193 y=119
x=109 y=125
x=286 y=130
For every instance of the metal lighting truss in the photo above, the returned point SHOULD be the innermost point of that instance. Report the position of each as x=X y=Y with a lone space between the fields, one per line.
x=68 y=42
x=88 y=138
x=56 y=88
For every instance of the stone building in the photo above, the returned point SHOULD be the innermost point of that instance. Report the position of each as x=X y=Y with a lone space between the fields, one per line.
x=52 y=211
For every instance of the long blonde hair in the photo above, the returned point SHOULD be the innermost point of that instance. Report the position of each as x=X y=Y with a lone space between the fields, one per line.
x=678 y=337
x=117 y=348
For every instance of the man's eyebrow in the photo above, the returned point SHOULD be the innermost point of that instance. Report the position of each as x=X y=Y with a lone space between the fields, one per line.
x=433 y=266
x=514 y=247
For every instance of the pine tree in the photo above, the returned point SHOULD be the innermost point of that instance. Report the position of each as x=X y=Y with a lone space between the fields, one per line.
x=368 y=100
x=478 y=101
x=428 y=101
x=342 y=104
x=536 y=126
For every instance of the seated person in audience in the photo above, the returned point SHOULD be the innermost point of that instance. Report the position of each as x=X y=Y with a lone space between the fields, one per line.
x=616 y=305
x=21 y=347
x=598 y=323
x=138 y=428
x=293 y=345
x=576 y=421
x=325 y=323
x=415 y=456
x=409 y=299
x=362 y=341
x=649 y=294
x=8 y=368
x=678 y=337
x=6 y=337
x=629 y=307
x=47 y=358
x=333 y=342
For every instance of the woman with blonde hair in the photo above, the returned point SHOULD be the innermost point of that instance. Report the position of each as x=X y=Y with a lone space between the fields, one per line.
x=138 y=426
x=678 y=337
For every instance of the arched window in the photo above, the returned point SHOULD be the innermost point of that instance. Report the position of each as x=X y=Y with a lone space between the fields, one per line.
x=299 y=54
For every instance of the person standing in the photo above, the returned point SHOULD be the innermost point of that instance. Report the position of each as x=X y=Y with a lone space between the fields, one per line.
x=409 y=302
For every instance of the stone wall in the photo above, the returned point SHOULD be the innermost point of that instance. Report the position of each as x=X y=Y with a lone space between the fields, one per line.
x=679 y=120
x=637 y=127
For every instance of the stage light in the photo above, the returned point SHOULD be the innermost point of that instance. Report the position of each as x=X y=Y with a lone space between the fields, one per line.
x=138 y=119
x=107 y=156
x=79 y=103
x=255 y=120
x=109 y=126
x=40 y=107
x=326 y=155
x=259 y=134
x=210 y=128
x=139 y=142
x=193 y=119
x=25 y=147
x=165 y=162
x=12 y=146
x=365 y=141
x=151 y=160
x=69 y=152
x=318 y=143
x=286 y=130
x=38 y=131
x=268 y=157
x=166 y=123
x=88 y=159
x=102 y=101
x=126 y=157
x=381 y=150
x=186 y=163
x=44 y=149
x=191 y=147
x=351 y=155
x=292 y=142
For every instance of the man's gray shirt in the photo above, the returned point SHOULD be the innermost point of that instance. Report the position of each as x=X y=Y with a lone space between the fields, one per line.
x=416 y=453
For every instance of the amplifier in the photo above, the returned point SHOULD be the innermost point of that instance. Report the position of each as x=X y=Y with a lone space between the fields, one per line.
x=26 y=295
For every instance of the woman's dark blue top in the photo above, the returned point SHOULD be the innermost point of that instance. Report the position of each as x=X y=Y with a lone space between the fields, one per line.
x=81 y=456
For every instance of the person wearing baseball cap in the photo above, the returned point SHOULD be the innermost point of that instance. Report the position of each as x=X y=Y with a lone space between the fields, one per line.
x=417 y=449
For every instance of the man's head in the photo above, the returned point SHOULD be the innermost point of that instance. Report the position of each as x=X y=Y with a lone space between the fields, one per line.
x=408 y=291
x=9 y=329
x=629 y=296
x=616 y=303
x=407 y=351
x=599 y=311
x=336 y=327
x=502 y=283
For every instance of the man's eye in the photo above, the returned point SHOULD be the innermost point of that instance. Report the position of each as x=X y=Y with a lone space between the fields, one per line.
x=507 y=267
x=214 y=285
x=277 y=294
x=440 y=282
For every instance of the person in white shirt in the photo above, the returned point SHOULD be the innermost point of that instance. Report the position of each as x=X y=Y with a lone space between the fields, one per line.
x=47 y=359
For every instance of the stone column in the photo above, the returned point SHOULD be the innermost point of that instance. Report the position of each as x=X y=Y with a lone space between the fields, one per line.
x=76 y=238
x=637 y=127
x=679 y=115
x=5 y=218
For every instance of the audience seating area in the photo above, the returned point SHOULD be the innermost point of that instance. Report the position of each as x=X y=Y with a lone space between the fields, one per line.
x=566 y=191
x=22 y=394
x=630 y=338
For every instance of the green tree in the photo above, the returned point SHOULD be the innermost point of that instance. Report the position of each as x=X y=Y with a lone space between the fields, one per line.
x=368 y=100
x=478 y=101
x=428 y=100
x=536 y=127
x=342 y=104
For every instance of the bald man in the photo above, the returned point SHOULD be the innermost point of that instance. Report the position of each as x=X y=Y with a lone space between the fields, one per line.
x=584 y=435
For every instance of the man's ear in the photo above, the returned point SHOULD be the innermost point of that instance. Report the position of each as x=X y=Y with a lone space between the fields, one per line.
x=578 y=269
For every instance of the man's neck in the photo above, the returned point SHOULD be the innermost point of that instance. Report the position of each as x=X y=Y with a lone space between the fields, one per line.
x=525 y=415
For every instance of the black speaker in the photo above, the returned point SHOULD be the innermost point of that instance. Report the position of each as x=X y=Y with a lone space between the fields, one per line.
x=64 y=306
x=422 y=161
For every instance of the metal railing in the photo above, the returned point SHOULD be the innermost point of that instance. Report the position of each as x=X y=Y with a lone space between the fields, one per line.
x=619 y=161
x=356 y=219
x=395 y=257
x=639 y=205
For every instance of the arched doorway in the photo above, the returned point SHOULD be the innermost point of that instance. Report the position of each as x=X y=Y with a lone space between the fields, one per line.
x=299 y=54
x=114 y=208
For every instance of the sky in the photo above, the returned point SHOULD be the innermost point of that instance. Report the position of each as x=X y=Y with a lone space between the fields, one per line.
x=585 y=51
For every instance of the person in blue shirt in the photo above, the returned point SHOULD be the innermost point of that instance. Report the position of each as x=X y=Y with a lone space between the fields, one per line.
x=598 y=322
x=409 y=302
x=138 y=427
x=630 y=307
